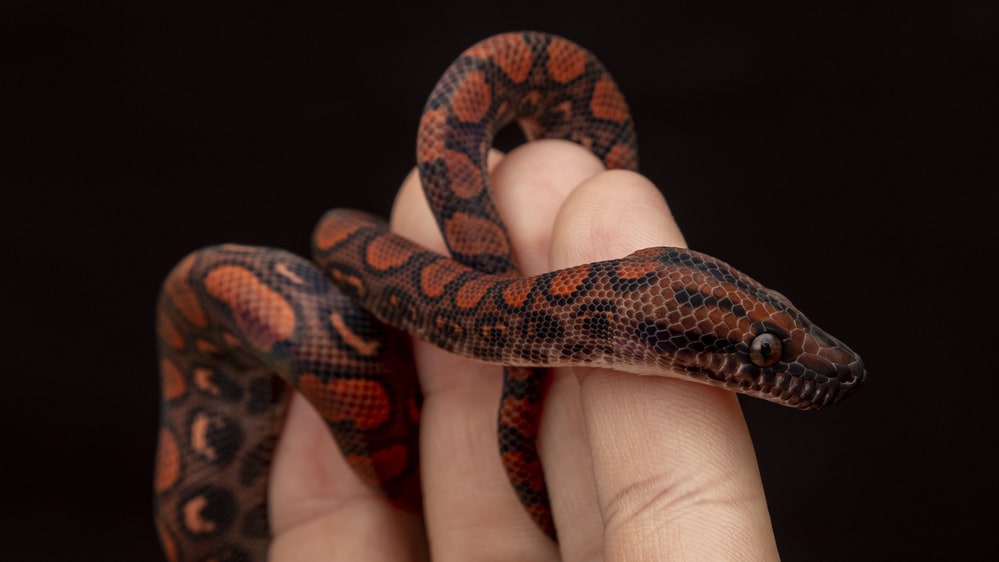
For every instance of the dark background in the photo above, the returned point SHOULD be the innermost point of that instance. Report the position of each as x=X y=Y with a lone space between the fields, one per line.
x=843 y=153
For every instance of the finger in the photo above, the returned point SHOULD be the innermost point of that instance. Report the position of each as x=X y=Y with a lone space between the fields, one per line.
x=320 y=509
x=673 y=461
x=529 y=193
x=471 y=508
x=466 y=498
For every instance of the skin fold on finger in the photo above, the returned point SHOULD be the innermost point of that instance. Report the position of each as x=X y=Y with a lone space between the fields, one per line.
x=320 y=509
x=675 y=471
x=471 y=509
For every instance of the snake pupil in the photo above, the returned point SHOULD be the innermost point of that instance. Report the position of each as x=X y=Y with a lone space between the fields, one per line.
x=765 y=350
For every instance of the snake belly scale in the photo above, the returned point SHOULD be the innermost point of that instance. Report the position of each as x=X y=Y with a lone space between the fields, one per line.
x=238 y=326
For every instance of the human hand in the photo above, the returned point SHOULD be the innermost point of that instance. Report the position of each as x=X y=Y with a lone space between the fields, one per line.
x=638 y=468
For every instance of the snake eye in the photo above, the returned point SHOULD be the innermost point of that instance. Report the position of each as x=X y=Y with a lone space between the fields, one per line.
x=765 y=350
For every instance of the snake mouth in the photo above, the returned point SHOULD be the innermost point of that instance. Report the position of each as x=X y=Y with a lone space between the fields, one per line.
x=800 y=394
x=823 y=372
x=811 y=390
x=808 y=382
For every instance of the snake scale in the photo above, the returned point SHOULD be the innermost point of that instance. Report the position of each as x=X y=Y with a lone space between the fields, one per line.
x=237 y=326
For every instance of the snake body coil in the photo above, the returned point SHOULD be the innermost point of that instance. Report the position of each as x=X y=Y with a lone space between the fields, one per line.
x=237 y=324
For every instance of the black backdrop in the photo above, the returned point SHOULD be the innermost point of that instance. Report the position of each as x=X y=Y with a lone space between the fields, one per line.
x=842 y=153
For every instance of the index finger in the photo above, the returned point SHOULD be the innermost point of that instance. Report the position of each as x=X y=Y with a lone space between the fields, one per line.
x=673 y=462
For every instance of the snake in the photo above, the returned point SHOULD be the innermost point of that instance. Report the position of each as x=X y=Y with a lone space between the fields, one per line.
x=239 y=327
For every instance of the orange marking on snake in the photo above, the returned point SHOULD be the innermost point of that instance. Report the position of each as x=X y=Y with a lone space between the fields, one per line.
x=621 y=156
x=466 y=177
x=515 y=294
x=566 y=61
x=390 y=461
x=333 y=231
x=231 y=340
x=565 y=108
x=528 y=471
x=503 y=111
x=183 y=298
x=445 y=324
x=517 y=413
x=380 y=466
x=478 y=51
x=167 y=471
x=201 y=425
x=430 y=139
x=171 y=380
x=472 y=98
x=409 y=310
x=568 y=281
x=361 y=401
x=515 y=59
x=436 y=276
x=584 y=141
x=607 y=101
x=206 y=346
x=262 y=313
x=352 y=280
x=520 y=373
x=387 y=252
x=531 y=99
x=288 y=274
x=203 y=380
x=636 y=270
x=491 y=331
x=469 y=295
x=364 y=347
x=488 y=239
x=169 y=333
x=192 y=515
x=365 y=469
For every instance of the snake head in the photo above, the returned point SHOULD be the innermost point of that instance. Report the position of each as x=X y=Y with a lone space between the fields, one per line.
x=704 y=319
x=790 y=360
